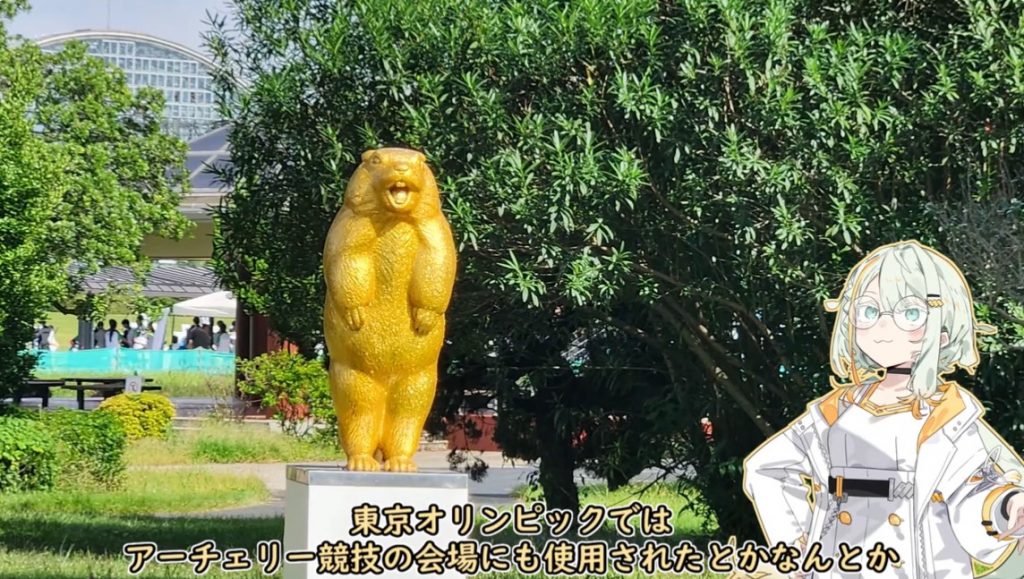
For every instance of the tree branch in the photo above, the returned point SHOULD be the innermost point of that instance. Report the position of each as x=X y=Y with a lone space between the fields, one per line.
x=719 y=376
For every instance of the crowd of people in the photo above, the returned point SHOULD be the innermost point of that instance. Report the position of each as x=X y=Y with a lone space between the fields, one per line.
x=135 y=336
x=45 y=337
x=138 y=335
x=202 y=335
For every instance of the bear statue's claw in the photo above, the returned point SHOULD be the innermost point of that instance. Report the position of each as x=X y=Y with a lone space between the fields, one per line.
x=424 y=320
x=362 y=462
x=354 y=318
x=399 y=464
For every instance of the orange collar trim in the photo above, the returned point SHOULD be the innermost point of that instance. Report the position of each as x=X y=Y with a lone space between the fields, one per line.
x=829 y=405
x=948 y=406
x=951 y=404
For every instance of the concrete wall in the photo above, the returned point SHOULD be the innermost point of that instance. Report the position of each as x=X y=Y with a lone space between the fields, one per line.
x=198 y=244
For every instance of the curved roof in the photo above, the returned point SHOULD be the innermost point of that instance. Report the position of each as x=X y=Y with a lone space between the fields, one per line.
x=125 y=35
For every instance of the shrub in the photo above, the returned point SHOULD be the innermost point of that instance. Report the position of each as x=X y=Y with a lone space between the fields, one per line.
x=142 y=415
x=297 y=388
x=90 y=446
x=18 y=411
x=28 y=455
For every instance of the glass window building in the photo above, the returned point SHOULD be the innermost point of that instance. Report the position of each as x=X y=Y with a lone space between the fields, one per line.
x=180 y=72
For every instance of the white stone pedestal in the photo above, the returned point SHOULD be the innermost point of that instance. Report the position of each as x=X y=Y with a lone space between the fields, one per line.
x=320 y=501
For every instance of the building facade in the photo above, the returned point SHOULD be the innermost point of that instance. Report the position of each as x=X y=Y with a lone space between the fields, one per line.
x=180 y=72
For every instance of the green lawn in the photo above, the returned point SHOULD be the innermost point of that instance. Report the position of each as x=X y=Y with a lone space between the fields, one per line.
x=64 y=534
x=226 y=442
x=43 y=536
x=80 y=534
x=144 y=492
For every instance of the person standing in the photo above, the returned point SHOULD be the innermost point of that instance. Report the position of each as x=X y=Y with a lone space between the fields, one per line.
x=142 y=337
x=112 y=339
x=51 y=338
x=199 y=337
x=45 y=336
x=37 y=338
x=99 y=337
x=128 y=333
x=222 y=343
x=187 y=342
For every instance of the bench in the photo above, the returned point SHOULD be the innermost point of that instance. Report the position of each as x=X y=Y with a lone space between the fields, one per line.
x=107 y=387
x=40 y=388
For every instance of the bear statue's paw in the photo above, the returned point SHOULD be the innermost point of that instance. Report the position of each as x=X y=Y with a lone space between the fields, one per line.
x=362 y=462
x=400 y=464
x=424 y=320
x=354 y=318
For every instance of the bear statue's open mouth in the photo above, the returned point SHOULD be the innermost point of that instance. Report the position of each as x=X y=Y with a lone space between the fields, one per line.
x=399 y=193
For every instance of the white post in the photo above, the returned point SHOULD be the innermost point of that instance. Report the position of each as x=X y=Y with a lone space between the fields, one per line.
x=157 y=341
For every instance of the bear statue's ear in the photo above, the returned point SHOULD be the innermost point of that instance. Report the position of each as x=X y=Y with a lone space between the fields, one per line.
x=367 y=153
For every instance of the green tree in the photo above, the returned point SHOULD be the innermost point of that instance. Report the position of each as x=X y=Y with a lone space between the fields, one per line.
x=670 y=187
x=86 y=173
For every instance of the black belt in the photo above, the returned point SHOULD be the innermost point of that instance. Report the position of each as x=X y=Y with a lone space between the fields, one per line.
x=856 y=487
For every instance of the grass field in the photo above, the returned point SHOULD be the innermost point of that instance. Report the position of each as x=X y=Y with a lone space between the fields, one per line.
x=80 y=534
x=68 y=534
x=145 y=492
x=221 y=443
x=81 y=543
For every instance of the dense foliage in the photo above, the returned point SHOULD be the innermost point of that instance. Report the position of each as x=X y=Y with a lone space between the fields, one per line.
x=297 y=390
x=651 y=198
x=85 y=173
x=28 y=455
x=90 y=447
x=144 y=415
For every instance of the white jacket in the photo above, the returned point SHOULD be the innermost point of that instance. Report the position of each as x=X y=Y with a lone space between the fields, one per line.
x=963 y=472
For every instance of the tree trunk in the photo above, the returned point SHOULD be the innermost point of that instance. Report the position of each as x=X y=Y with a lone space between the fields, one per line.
x=616 y=479
x=557 y=464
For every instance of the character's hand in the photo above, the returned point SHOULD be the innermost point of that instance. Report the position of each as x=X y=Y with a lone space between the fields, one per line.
x=354 y=318
x=1016 y=522
x=801 y=543
x=424 y=320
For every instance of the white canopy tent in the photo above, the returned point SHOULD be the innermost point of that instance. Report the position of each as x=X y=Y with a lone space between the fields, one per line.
x=216 y=305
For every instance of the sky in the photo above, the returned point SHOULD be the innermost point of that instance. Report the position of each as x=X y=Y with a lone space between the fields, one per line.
x=180 y=21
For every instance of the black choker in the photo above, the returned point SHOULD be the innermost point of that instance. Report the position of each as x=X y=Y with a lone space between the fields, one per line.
x=897 y=370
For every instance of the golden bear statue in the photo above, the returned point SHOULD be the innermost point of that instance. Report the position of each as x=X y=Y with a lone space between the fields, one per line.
x=389 y=263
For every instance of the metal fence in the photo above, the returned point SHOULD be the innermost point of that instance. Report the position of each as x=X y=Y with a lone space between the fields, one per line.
x=122 y=359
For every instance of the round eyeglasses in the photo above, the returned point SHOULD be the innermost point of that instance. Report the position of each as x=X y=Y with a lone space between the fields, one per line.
x=909 y=314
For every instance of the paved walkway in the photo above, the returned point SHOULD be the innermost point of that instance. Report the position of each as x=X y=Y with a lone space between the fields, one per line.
x=185 y=407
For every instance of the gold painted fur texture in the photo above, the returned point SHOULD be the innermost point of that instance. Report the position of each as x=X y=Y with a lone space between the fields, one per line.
x=389 y=262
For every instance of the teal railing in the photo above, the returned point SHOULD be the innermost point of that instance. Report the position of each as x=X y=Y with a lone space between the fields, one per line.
x=125 y=360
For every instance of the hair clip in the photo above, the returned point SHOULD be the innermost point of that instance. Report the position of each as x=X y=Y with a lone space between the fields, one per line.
x=935 y=301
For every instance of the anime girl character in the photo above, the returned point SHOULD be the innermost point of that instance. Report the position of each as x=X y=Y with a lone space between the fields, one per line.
x=895 y=454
